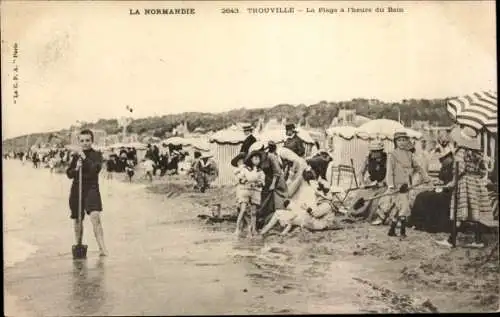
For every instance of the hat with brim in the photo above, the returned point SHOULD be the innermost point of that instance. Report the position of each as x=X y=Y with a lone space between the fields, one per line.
x=206 y=155
x=247 y=128
x=240 y=156
x=258 y=146
x=376 y=146
x=248 y=158
x=401 y=135
x=468 y=139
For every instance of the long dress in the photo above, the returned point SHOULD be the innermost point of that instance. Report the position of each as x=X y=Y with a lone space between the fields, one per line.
x=430 y=211
x=321 y=217
x=376 y=166
x=271 y=200
x=473 y=196
x=298 y=165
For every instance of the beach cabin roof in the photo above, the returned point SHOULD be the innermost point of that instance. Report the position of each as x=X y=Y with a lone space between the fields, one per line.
x=346 y=132
x=232 y=135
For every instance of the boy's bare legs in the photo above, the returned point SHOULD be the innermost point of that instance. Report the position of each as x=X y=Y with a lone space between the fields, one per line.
x=241 y=214
x=95 y=218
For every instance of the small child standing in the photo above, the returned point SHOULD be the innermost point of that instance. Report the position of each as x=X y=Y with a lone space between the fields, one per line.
x=129 y=169
x=250 y=194
x=149 y=166
x=238 y=163
x=110 y=166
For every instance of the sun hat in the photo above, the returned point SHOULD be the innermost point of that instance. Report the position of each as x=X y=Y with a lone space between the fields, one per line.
x=376 y=146
x=206 y=155
x=400 y=134
x=240 y=156
x=258 y=146
x=468 y=139
x=251 y=155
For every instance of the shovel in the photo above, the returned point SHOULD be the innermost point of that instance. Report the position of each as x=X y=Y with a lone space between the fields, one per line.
x=403 y=189
x=79 y=250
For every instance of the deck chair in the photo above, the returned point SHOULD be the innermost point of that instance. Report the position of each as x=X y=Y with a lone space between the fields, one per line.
x=343 y=169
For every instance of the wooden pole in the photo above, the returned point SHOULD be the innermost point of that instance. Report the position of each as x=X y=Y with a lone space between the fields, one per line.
x=455 y=209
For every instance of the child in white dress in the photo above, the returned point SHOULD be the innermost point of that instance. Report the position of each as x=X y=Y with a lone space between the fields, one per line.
x=251 y=178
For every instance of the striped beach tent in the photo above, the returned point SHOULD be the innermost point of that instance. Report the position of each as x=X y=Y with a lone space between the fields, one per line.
x=224 y=145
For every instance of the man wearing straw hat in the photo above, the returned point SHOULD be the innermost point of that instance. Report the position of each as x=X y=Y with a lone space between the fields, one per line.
x=401 y=164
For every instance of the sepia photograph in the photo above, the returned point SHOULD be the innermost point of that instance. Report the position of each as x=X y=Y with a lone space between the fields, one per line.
x=249 y=157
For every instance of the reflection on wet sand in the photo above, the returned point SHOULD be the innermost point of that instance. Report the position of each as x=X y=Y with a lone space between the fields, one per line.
x=88 y=291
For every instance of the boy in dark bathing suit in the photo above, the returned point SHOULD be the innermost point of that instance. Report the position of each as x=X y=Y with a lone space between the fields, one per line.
x=90 y=161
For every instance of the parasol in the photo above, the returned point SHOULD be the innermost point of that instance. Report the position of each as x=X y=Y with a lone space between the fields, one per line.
x=384 y=129
x=477 y=110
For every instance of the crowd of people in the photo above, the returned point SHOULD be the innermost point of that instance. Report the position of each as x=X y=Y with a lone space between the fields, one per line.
x=51 y=158
x=395 y=188
x=280 y=186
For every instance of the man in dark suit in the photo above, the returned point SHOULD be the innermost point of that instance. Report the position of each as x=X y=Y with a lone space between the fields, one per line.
x=293 y=142
x=250 y=139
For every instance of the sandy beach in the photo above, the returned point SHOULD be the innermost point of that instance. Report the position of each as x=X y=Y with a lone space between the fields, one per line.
x=162 y=255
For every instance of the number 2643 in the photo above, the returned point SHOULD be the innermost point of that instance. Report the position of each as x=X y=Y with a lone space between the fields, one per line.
x=229 y=10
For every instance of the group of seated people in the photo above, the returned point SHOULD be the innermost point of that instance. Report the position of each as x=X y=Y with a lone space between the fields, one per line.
x=398 y=190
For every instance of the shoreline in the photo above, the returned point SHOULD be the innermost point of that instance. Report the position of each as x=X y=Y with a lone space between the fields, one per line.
x=359 y=263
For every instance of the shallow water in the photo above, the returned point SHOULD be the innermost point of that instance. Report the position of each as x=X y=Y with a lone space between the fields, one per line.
x=162 y=259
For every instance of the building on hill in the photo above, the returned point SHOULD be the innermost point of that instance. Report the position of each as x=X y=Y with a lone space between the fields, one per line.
x=348 y=117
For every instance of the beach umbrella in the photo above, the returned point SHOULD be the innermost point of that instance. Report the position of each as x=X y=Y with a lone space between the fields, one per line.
x=477 y=110
x=379 y=128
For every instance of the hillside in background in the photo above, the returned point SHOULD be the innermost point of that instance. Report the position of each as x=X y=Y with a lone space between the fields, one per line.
x=318 y=115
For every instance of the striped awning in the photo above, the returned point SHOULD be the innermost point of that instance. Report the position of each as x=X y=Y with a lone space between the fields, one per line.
x=478 y=110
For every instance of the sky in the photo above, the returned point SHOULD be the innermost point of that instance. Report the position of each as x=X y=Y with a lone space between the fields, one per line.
x=85 y=61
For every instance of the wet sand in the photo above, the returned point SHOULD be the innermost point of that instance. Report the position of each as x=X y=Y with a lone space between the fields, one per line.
x=164 y=260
